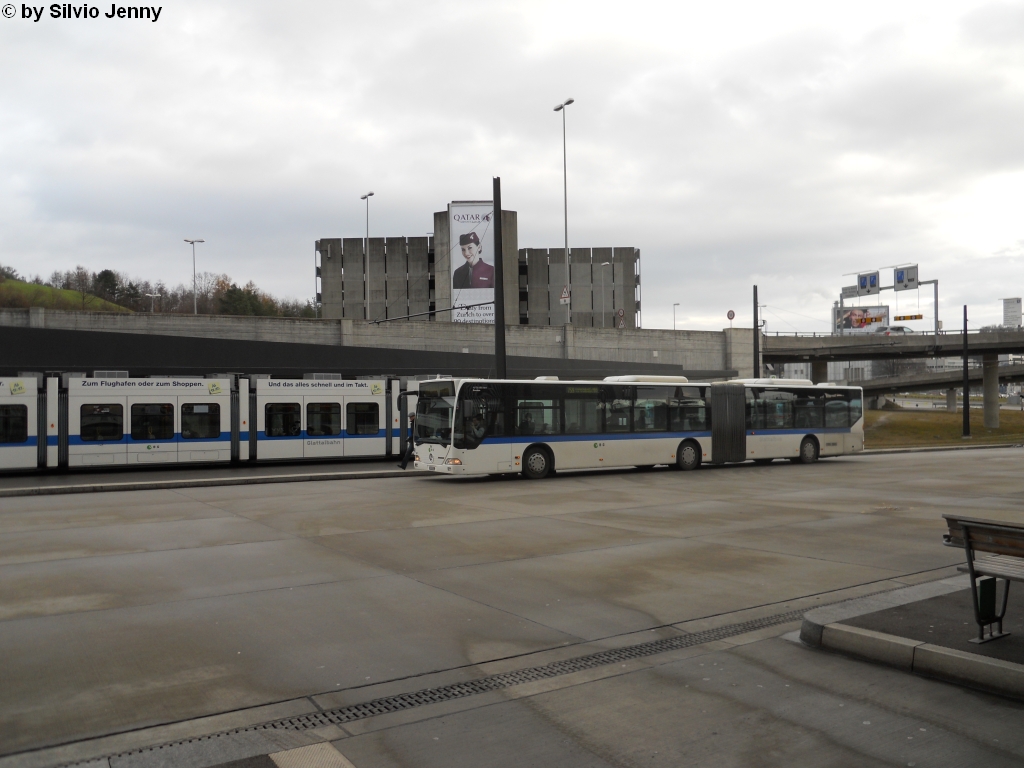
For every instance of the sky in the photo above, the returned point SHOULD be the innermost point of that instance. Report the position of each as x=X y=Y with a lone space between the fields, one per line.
x=785 y=144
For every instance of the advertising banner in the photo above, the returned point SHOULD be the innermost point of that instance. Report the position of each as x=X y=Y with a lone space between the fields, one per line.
x=860 y=319
x=472 y=258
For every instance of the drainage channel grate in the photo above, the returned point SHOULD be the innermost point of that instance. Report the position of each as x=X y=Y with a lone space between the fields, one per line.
x=443 y=693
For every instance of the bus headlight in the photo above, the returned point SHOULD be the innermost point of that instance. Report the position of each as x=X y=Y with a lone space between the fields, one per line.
x=415 y=457
x=453 y=461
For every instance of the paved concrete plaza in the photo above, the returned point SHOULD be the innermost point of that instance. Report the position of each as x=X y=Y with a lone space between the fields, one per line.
x=126 y=618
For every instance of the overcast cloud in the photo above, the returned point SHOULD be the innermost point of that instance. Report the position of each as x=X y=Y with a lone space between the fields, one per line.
x=782 y=144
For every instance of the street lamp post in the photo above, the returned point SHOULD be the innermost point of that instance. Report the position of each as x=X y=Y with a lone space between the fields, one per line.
x=195 y=302
x=565 y=189
x=674 y=315
x=603 y=264
x=152 y=302
x=366 y=250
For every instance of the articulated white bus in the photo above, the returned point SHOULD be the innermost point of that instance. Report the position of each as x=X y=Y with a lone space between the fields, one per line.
x=481 y=426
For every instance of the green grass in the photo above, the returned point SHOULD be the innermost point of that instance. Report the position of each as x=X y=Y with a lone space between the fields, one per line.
x=910 y=428
x=16 y=294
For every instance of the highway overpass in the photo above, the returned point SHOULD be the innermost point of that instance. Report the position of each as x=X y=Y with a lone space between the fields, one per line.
x=875 y=346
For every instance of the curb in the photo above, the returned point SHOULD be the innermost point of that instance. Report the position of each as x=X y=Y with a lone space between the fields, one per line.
x=159 y=485
x=931 y=449
x=156 y=485
x=823 y=628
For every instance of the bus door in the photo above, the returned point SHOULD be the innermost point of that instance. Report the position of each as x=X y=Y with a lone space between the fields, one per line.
x=365 y=425
x=205 y=423
x=98 y=426
x=150 y=428
x=728 y=423
x=279 y=426
x=480 y=426
x=324 y=426
x=18 y=423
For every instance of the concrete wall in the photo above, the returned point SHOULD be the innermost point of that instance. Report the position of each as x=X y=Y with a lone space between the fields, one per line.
x=689 y=350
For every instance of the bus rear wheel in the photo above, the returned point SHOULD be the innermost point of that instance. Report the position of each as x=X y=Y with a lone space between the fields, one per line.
x=808 y=451
x=688 y=456
x=536 y=464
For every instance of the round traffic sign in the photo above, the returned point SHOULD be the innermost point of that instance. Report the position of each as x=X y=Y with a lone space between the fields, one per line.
x=731 y=315
x=621 y=313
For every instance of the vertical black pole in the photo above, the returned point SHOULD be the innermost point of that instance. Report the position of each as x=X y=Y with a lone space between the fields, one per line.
x=757 y=340
x=499 y=287
x=967 y=384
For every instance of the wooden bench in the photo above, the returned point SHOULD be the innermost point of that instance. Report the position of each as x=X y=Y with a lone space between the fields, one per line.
x=1004 y=541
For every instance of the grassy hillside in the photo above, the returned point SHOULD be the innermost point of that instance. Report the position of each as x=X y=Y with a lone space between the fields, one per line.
x=16 y=294
x=900 y=428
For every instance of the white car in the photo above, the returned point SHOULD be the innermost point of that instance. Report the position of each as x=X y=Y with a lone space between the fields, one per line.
x=894 y=330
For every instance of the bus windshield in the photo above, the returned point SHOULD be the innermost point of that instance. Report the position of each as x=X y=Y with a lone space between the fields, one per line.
x=434 y=407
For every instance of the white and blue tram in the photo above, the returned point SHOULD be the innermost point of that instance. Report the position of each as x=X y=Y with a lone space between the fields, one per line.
x=473 y=426
x=53 y=422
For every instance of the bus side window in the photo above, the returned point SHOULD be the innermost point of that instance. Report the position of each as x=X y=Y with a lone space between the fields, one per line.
x=855 y=408
x=837 y=410
x=618 y=407
x=688 y=410
x=776 y=408
x=538 y=417
x=808 y=410
x=583 y=411
x=650 y=411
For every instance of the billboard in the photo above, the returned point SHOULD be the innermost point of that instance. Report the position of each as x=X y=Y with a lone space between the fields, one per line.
x=471 y=254
x=860 y=319
x=1012 y=313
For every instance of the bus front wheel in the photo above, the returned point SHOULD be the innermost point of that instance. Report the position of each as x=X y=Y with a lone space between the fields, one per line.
x=536 y=464
x=808 y=451
x=688 y=456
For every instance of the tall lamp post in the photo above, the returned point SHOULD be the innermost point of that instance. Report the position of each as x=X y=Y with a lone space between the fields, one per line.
x=152 y=302
x=603 y=316
x=195 y=301
x=674 y=315
x=366 y=250
x=565 y=188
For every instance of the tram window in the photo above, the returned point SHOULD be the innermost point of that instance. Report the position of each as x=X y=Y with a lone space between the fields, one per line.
x=582 y=410
x=688 y=410
x=362 y=418
x=152 y=421
x=102 y=422
x=283 y=420
x=650 y=413
x=618 y=405
x=323 y=419
x=13 y=423
x=200 y=421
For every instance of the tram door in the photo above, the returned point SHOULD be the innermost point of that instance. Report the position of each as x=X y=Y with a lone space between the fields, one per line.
x=728 y=423
x=365 y=425
x=324 y=436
